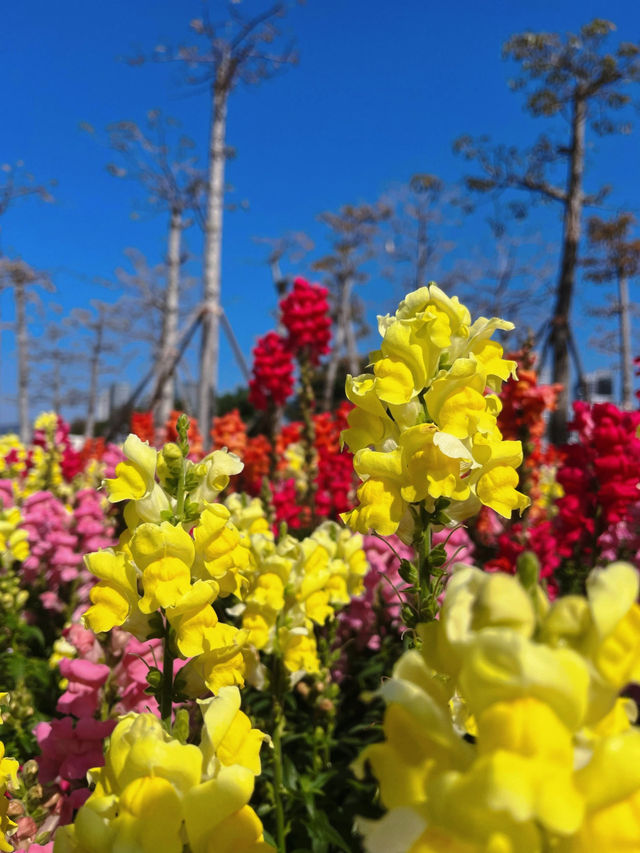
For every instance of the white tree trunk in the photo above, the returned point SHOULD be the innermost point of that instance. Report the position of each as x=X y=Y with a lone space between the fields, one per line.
x=210 y=346
x=23 y=359
x=332 y=369
x=564 y=292
x=349 y=330
x=165 y=377
x=625 y=343
x=94 y=366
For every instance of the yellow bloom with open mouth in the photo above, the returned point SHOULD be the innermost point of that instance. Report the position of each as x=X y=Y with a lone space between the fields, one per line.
x=423 y=412
x=496 y=735
x=114 y=599
x=156 y=793
x=164 y=554
x=135 y=476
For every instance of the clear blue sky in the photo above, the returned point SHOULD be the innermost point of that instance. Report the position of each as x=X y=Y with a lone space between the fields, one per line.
x=379 y=94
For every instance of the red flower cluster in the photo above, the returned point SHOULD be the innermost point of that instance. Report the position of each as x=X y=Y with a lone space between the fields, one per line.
x=599 y=473
x=272 y=380
x=305 y=315
x=142 y=426
x=256 y=464
x=230 y=431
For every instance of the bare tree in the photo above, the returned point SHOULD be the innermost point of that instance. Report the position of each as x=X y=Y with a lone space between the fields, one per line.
x=16 y=183
x=98 y=325
x=509 y=274
x=22 y=278
x=54 y=361
x=174 y=185
x=616 y=258
x=293 y=246
x=236 y=50
x=415 y=242
x=353 y=230
x=579 y=78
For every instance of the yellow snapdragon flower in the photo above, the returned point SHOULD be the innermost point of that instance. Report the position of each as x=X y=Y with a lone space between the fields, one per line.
x=8 y=771
x=425 y=422
x=14 y=541
x=293 y=586
x=546 y=763
x=156 y=793
x=497 y=736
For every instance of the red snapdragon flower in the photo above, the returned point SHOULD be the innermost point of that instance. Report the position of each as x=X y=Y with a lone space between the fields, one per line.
x=272 y=380
x=305 y=315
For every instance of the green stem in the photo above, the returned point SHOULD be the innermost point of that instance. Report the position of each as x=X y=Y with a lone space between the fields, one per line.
x=278 y=686
x=278 y=785
x=166 y=690
x=307 y=401
x=182 y=494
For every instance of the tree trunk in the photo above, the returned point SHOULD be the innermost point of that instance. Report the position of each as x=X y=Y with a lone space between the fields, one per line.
x=625 y=342
x=422 y=253
x=559 y=338
x=349 y=331
x=94 y=365
x=210 y=344
x=165 y=377
x=23 y=359
x=332 y=368
x=56 y=389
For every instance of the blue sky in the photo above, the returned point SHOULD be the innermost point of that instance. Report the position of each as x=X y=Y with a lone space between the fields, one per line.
x=380 y=92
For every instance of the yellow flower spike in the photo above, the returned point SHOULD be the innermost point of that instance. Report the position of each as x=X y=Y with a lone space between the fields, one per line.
x=360 y=391
x=115 y=597
x=617 y=658
x=456 y=402
x=219 y=467
x=496 y=480
x=135 y=477
x=221 y=664
x=401 y=373
x=394 y=381
x=149 y=818
x=221 y=551
x=299 y=650
x=610 y=785
x=267 y=592
x=140 y=746
x=502 y=665
x=475 y=600
x=193 y=618
x=457 y=314
x=164 y=554
x=227 y=735
x=611 y=593
x=433 y=466
x=488 y=355
x=364 y=429
x=497 y=489
x=247 y=513
x=210 y=809
x=260 y=624
x=381 y=508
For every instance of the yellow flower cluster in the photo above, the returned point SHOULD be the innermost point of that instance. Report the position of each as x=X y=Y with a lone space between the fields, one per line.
x=424 y=426
x=295 y=585
x=13 y=456
x=44 y=471
x=156 y=793
x=505 y=732
x=14 y=542
x=178 y=566
x=8 y=771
